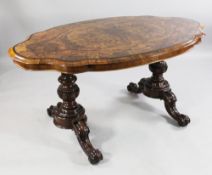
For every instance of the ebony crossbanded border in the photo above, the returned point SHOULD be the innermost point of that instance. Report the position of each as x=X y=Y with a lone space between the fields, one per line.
x=103 y=45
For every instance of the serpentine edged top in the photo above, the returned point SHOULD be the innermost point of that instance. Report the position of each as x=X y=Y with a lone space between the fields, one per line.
x=107 y=44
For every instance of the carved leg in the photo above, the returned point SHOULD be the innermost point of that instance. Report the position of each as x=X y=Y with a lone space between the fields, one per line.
x=157 y=87
x=81 y=130
x=71 y=115
x=170 y=105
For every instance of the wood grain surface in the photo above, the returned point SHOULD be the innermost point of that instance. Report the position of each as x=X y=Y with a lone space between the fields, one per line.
x=107 y=44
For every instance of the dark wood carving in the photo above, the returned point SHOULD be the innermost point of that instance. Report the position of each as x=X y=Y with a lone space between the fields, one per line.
x=71 y=115
x=157 y=87
x=107 y=44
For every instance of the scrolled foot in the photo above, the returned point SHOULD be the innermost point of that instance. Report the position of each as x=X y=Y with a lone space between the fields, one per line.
x=82 y=131
x=183 y=120
x=95 y=156
x=170 y=105
x=50 y=111
x=134 y=88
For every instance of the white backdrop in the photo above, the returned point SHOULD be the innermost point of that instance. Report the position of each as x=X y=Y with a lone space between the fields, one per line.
x=135 y=134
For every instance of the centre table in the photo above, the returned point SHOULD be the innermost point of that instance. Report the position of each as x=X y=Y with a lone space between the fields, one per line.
x=103 y=45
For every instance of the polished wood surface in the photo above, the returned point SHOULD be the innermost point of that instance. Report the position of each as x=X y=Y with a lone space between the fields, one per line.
x=107 y=44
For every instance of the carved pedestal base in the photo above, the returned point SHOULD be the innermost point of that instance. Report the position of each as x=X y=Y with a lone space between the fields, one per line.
x=71 y=115
x=157 y=87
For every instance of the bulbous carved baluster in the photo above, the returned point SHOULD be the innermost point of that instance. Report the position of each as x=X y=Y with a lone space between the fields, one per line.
x=157 y=87
x=71 y=115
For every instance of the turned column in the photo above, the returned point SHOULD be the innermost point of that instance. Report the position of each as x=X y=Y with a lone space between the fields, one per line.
x=71 y=115
x=157 y=87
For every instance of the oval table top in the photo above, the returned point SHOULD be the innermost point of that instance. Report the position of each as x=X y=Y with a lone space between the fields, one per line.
x=107 y=44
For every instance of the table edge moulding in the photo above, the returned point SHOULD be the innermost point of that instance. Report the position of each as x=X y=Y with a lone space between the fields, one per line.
x=120 y=61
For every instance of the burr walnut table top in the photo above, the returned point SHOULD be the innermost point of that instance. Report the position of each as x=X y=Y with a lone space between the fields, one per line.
x=107 y=44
